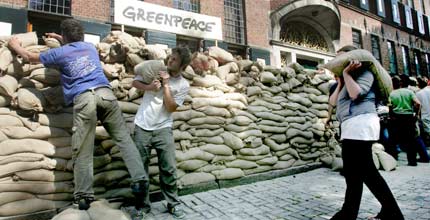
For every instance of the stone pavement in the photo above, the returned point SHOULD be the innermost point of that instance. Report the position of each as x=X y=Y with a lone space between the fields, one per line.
x=316 y=194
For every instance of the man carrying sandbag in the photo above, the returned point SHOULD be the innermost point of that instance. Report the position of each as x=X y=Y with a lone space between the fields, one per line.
x=355 y=100
x=154 y=124
x=85 y=85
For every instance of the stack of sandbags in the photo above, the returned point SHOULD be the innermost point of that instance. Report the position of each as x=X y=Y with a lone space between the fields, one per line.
x=238 y=119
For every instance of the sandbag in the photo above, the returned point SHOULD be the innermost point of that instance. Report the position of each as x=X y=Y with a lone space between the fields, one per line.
x=30 y=99
x=30 y=206
x=150 y=70
x=48 y=76
x=221 y=55
x=101 y=210
x=195 y=178
x=4 y=101
x=387 y=161
x=382 y=77
x=42 y=132
x=8 y=85
x=228 y=173
x=72 y=214
x=13 y=146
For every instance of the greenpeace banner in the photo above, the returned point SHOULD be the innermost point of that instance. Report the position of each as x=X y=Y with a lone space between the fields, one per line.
x=151 y=16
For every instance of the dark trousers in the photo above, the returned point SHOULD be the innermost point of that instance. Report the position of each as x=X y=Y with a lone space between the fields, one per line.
x=404 y=133
x=358 y=169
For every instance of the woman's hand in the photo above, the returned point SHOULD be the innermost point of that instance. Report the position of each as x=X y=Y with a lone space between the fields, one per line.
x=352 y=66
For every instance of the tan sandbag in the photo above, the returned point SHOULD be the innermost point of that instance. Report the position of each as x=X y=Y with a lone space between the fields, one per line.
x=199 y=63
x=7 y=197
x=337 y=164
x=217 y=149
x=100 y=210
x=43 y=175
x=187 y=115
x=51 y=42
x=193 y=153
x=382 y=77
x=123 y=38
x=217 y=102
x=26 y=82
x=9 y=120
x=268 y=77
x=214 y=111
x=48 y=76
x=72 y=214
x=5 y=58
x=228 y=173
x=275 y=146
x=61 y=141
x=118 y=192
x=37 y=187
x=212 y=120
x=100 y=161
x=56 y=196
x=267 y=161
x=284 y=164
x=128 y=107
x=4 y=101
x=153 y=52
x=248 y=133
x=21 y=157
x=242 y=164
x=58 y=120
x=8 y=85
x=376 y=160
x=196 y=92
x=54 y=97
x=11 y=168
x=29 y=99
x=195 y=178
x=37 y=48
x=182 y=135
x=107 y=177
x=206 y=81
x=387 y=161
x=191 y=165
x=220 y=55
x=42 y=132
x=13 y=146
x=30 y=206
x=262 y=150
x=232 y=141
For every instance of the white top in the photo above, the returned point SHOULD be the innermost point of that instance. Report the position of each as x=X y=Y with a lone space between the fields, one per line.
x=152 y=113
x=424 y=97
x=364 y=127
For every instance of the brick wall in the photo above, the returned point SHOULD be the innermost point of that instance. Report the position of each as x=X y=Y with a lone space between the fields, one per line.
x=166 y=3
x=257 y=22
x=14 y=3
x=92 y=9
x=276 y=4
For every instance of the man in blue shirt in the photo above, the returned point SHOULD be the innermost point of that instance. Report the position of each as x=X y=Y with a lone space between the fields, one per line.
x=85 y=85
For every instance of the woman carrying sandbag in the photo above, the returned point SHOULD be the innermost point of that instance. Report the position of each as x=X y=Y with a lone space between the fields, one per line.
x=356 y=111
x=87 y=88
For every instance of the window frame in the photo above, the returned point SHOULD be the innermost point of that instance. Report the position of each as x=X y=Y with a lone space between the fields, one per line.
x=234 y=22
x=364 y=4
x=380 y=8
x=194 y=5
x=406 y=60
x=45 y=6
x=395 y=11
x=391 y=46
x=360 y=43
x=377 y=49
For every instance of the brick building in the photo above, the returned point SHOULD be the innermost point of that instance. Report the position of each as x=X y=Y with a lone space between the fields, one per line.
x=397 y=32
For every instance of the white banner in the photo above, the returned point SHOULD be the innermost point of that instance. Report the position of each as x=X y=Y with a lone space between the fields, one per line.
x=151 y=16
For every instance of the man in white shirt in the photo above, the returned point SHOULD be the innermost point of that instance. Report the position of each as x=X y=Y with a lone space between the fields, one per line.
x=154 y=128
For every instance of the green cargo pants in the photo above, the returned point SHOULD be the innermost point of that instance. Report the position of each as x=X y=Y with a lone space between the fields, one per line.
x=88 y=107
x=162 y=141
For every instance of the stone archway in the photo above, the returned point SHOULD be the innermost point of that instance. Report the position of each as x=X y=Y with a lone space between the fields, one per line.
x=322 y=18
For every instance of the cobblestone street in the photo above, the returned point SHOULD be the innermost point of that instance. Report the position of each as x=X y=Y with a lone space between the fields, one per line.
x=317 y=194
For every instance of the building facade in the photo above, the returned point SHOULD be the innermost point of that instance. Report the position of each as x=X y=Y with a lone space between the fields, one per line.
x=309 y=32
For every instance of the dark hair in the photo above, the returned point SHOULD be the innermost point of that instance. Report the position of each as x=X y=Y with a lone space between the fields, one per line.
x=184 y=54
x=72 y=30
x=404 y=80
x=396 y=82
x=347 y=48
x=421 y=82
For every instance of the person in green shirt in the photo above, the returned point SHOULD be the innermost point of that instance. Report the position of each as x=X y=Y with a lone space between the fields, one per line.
x=404 y=107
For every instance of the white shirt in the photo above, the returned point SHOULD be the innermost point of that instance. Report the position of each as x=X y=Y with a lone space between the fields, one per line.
x=152 y=113
x=364 y=127
x=424 y=97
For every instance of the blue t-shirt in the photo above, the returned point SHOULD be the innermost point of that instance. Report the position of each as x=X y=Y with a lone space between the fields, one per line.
x=80 y=67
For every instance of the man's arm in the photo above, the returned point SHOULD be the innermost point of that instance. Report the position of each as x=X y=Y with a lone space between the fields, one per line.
x=15 y=45
x=352 y=86
x=168 y=99
x=56 y=36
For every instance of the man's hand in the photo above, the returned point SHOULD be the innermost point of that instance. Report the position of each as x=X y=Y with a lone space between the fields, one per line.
x=352 y=66
x=14 y=43
x=55 y=35
x=155 y=85
x=165 y=78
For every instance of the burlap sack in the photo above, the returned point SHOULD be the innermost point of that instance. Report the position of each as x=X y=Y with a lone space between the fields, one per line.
x=382 y=77
x=149 y=70
x=221 y=55
x=8 y=85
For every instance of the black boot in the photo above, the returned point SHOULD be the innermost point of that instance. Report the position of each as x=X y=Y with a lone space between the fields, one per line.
x=138 y=190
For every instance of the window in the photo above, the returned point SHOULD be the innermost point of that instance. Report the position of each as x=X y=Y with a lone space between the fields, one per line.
x=392 y=57
x=417 y=61
x=356 y=38
x=61 y=7
x=375 y=47
x=428 y=64
x=364 y=4
x=234 y=27
x=411 y=3
x=380 y=6
x=395 y=10
x=420 y=23
x=405 y=57
x=187 y=5
x=408 y=15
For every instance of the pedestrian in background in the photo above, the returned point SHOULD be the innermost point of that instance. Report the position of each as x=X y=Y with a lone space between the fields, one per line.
x=423 y=95
x=86 y=87
x=404 y=107
x=154 y=127
x=355 y=102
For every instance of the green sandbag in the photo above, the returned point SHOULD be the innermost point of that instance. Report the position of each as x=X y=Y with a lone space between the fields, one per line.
x=382 y=77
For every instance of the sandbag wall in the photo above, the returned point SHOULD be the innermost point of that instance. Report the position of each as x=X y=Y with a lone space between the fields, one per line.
x=240 y=118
